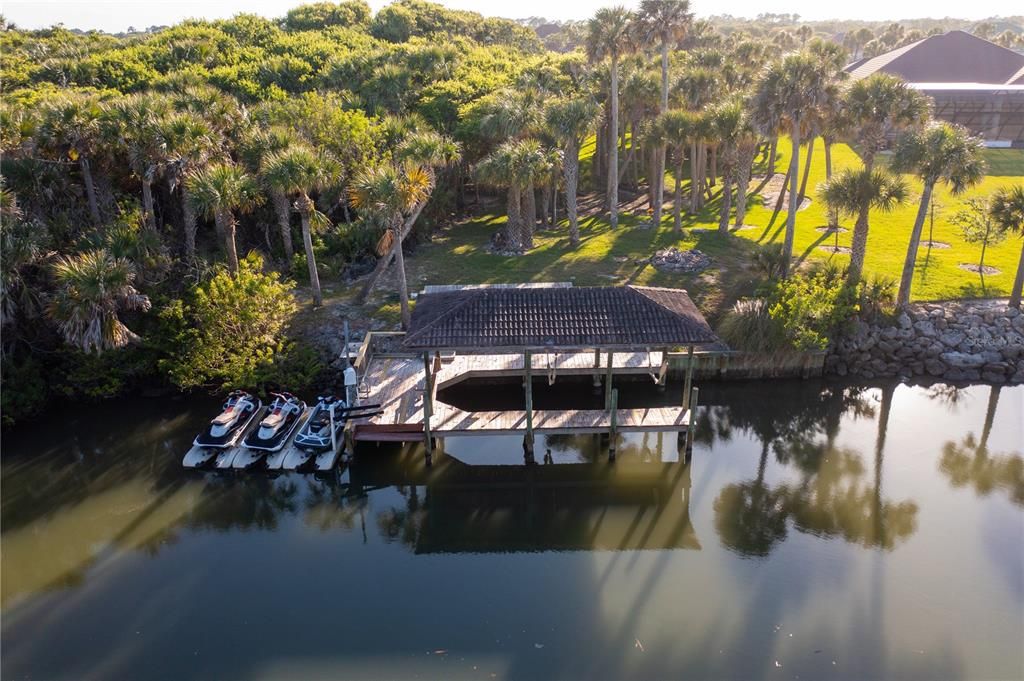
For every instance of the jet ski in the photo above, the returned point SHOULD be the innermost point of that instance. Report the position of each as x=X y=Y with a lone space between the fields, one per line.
x=283 y=417
x=225 y=430
x=322 y=434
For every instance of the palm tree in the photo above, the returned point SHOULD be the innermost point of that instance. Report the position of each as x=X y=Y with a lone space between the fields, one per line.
x=679 y=128
x=786 y=91
x=298 y=171
x=1008 y=213
x=132 y=123
x=698 y=87
x=856 y=192
x=217 y=191
x=255 y=148
x=92 y=287
x=190 y=142
x=392 y=192
x=570 y=121
x=430 y=152
x=609 y=35
x=941 y=152
x=878 y=106
x=70 y=126
x=731 y=129
x=514 y=165
x=666 y=22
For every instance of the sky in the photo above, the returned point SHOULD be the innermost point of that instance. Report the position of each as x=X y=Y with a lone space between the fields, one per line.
x=117 y=15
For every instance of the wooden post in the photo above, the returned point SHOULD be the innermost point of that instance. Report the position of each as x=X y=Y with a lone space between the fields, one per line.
x=692 y=423
x=689 y=377
x=663 y=369
x=597 y=371
x=608 y=382
x=528 y=376
x=613 y=427
x=428 y=406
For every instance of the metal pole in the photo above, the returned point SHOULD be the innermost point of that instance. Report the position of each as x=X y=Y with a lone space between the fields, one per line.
x=689 y=377
x=608 y=382
x=334 y=437
x=528 y=376
x=345 y=326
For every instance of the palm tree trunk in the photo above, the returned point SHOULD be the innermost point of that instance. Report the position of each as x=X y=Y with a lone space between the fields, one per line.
x=545 y=202
x=772 y=153
x=903 y=297
x=677 y=204
x=746 y=163
x=226 y=222
x=382 y=263
x=613 y=151
x=188 y=213
x=307 y=242
x=529 y=220
x=807 y=166
x=794 y=170
x=148 y=215
x=90 y=190
x=662 y=151
x=283 y=211
x=723 y=220
x=694 y=191
x=571 y=170
x=1018 y=282
x=513 y=228
x=403 y=286
x=714 y=167
x=859 y=247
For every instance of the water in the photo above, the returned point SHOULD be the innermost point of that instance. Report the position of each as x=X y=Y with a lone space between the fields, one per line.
x=819 y=532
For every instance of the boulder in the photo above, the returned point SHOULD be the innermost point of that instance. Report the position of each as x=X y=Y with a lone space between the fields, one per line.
x=935 y=367
x=962 y=360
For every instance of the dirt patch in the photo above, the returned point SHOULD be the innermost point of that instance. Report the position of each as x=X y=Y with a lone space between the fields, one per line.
x=835 y=249
x=743 y=227
x=770 y=193
x=831 y=230
x=987 y=269
x=935 y=244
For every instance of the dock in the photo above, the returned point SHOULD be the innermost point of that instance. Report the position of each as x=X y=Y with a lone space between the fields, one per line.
x=398 y=384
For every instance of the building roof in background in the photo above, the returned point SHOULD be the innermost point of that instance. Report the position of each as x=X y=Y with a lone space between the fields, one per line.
x=609 y=317
x=954 y=57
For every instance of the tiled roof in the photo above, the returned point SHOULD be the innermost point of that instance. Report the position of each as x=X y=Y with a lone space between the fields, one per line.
x=954 y=57
x=575 y=317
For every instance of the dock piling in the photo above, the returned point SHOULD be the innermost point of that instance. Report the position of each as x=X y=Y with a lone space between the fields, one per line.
x=689 y=377
x=428 y=408
x=612 y=430
x=692 y=423
x=528 y=377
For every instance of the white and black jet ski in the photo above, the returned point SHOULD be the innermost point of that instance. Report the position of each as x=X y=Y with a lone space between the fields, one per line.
x=322 y=434
x=272 y=434
x=225 y=430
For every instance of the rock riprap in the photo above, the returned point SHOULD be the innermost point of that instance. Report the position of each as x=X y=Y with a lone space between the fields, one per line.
x=674 y=260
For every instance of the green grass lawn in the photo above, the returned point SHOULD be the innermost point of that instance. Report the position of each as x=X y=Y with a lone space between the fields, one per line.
x=458 y=252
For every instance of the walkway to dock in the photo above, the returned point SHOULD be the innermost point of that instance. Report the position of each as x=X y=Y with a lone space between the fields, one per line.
x=397 y=384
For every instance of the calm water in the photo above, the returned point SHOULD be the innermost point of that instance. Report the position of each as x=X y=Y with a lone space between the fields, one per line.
x=819 y=532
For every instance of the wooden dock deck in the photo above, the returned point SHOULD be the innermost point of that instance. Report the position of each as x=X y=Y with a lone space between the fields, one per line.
x=397 y=384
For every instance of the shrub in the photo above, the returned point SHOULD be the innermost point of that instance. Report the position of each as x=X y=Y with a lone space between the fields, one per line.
x=749 y=326
x=770 y=261
x=229 y=332
x=813 y=307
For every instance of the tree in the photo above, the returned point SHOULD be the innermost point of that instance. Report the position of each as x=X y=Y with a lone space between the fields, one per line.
x=679 y=128
x=92 y=288
x=978 y=226
x=731 y=130
x=299 y=171
x=217 y=191
x=878 y=106
x=609 y=35
x=256 y=148
x=785 y=92
x=70 y=126
x=190 y=142
x=941 y=152
x=664 y=22
x=1008 y=212
x=856 y=192
x=514 y=165
x=430 y=151
x=390 y=192
x=570 y=120
x=229 y=329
